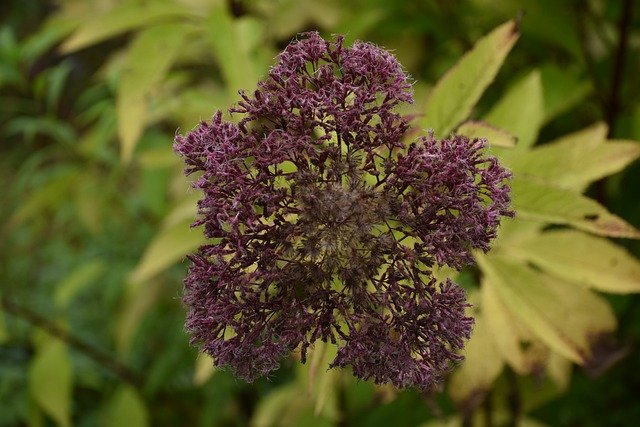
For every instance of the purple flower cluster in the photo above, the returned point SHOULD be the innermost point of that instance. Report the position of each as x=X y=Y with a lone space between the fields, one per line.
x=324 y=224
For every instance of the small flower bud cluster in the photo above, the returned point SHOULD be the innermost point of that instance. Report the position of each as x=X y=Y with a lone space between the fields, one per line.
x=324 y=224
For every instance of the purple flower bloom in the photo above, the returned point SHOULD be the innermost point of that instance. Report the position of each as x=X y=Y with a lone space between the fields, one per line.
x=325 y=225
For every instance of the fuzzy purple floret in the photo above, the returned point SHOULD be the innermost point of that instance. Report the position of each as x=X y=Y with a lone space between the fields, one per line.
x=325 y=225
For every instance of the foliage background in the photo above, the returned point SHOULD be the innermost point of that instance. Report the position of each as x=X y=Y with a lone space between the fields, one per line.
x=95 y=210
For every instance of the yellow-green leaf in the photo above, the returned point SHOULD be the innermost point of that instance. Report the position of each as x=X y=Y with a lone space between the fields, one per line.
x=125 y=17
x=536 y=201
x=204 y=369
x=482 y=365
x=270 y=410
x=529 y=422
x=565 y=317
x=496 y=137
x=149 y=58
x=139 y=298
x=89 y=202
x=559 y=370
x=127 y=408
x=575 y=164
x=454 y=421
x=169 y=246
x=231 y=52
x=515 y=229
x=521 y=110
x=51 y=381
x=325 y=384
x=47 y=196
x=515 y=343
x=80 y=277
x=578 y=257
x=563 y=89
x=185 y=210
x=458 y=91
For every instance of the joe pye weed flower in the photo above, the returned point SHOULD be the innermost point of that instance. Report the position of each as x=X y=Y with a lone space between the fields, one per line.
x=325 y=223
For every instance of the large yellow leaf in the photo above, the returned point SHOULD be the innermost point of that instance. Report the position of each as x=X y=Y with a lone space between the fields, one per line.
x=149 y=58
x=559 y=370
x=322 y=381
x=581 y=258
x=51 y=381
x=575 y=164
x=204 y=369
x=534 y=200
x=457 y=92
x=231 y=52
x=522 y=351
x=125 y=17
x=169 y=246
x=521 y=110
x=271 y=409
x=496 y=137
x=565 y=317
x=482 y=365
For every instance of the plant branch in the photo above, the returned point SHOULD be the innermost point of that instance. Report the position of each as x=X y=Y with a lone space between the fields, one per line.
x=514 y=401
x=98 y=355
x=613 y=104
x=588 y=60
x=487 y=409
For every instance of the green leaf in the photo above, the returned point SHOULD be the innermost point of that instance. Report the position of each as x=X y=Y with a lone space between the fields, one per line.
x=149 y=58
x=496 y=137
x=139 y=299
x=565 y=317
x=458 y=91
x=51 y=381
x=56 y=79
x=270 y=409
x=30 y=127
x=169 y=246
x=228 y=41
x=453 y=421
x=521 y=110
x=574 y=164
x=563 y=89
x=48 y=35
x=482 y=365
x=536 y=201
x=125 y=17
x=76 y=280
x=49 y=195
x=126 y=408
x=4 y=334
x=89 y=202
x=578 y=257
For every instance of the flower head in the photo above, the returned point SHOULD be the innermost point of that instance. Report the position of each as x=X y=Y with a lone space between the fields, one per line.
x=324 y=224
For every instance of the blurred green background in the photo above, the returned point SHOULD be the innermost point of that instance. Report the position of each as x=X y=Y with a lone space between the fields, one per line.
x=95 y=210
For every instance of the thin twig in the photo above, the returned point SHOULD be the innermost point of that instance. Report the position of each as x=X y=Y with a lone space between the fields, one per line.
x=588 y=60
x=613 y=106
x=514 y=401
x=101 y=357
x=487 y=409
